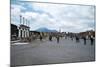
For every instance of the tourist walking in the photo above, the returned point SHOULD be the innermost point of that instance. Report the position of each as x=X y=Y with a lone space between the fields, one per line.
x=40 y=37
x=84 y=38
x=50 y=38
x=77 y=39
x=91 y=39
x=57 y=39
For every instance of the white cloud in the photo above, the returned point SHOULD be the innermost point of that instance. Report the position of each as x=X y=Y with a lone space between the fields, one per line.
x=54 y=16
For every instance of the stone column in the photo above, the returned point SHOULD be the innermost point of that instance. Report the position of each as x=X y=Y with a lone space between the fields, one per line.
x=23 y=20
x=20 y=19
x=28 y=32
x=22 y=33
x=25 y=33
x=19 y=33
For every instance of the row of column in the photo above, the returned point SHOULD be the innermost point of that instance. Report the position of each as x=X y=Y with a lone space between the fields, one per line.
x=24 y=21
x=23 y=28
x=23 y=33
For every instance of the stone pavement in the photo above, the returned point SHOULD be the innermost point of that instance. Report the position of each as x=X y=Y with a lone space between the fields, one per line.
x=48 y=52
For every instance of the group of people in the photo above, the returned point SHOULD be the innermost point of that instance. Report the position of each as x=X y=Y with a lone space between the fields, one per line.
x=77 y=38
x=90 y=38
x=85 y=39
x=50 y=38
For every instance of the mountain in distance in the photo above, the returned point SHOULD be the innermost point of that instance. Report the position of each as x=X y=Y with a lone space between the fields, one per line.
x=43 y=29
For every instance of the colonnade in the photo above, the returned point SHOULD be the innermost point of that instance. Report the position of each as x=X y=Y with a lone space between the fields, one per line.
x=24 y=29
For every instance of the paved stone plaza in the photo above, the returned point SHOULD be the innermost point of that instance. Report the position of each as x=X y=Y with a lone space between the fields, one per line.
x=47 y=52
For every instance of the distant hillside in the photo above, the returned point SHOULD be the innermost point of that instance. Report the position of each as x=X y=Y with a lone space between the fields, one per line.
x=45 y=30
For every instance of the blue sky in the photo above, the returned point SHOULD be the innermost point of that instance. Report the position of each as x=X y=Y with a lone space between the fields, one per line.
x=68 y=18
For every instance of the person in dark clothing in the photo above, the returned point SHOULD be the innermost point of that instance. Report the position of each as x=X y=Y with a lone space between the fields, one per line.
x=40 y=38
x=57 y=39
x=84 y=38
x=50 y=38
x=71 y=38
x=91 y=39
x=77 y=39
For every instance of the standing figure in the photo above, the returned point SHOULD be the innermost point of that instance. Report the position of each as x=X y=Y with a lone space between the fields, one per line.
x=71 y=38
x=84 y=38
x=57 y=39
x=50 y=38
x=91 y=39
x=77 y=39
x=40 y=38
